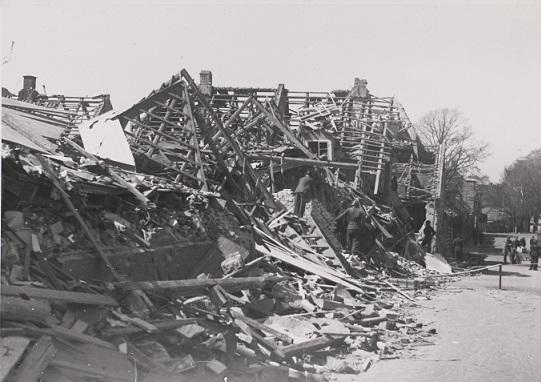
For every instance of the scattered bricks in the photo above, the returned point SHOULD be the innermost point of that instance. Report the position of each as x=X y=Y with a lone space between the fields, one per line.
x=391 y=325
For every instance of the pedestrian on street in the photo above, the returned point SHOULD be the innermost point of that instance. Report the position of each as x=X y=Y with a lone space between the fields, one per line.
x=428 y=234
x=301 y=193
x=534 y=253
x=516 y=259
x=356 y=223
x=508 y=250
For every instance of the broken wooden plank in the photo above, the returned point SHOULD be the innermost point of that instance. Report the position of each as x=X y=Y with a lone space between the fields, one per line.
x=191 y=124
x=269 y=345
x=217 y=296
x=11 y=350
x=160 y=325
x=398 y=290
x=136 y=321
x=58 y=295
x=18 y=309
x=303 y=161
x=64 y=333
x=194 y=287
x=89 y=372
x=262 y=327
x=372 y=320
x=308 y=347
x=36 y=361
x=284 y=254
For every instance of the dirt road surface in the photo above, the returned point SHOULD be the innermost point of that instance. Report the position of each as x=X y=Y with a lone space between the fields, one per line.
x=484 y=334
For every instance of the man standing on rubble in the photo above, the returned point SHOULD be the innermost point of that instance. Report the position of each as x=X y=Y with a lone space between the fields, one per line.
x=301 y=193
x=355 y=224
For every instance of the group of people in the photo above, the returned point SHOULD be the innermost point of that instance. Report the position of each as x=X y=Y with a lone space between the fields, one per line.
x=353 y=223
x=513 y=248
x=355 y=227
x=358 y=234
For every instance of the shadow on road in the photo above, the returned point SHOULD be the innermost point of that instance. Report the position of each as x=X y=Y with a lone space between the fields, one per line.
x=490 y=272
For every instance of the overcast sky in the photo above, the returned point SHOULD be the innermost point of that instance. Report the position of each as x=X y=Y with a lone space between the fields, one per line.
x=484 y=59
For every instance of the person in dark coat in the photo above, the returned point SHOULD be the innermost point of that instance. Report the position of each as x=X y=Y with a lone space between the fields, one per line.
x=534 y=253
x=356 y=224
x=301 y=194
x=508 y=250
x=428 y=234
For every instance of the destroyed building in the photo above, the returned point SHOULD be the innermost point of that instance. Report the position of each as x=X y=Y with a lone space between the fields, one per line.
x=175 y=216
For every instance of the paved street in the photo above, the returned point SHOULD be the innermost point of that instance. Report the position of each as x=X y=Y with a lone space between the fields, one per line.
x=484 y=334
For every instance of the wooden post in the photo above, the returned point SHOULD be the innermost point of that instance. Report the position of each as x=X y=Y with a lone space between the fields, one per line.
x=408 y=182
x=380 y=158
x=500 y=276
x=271 y=171
x=439 y=203
x=194 y=141
x=362 y=143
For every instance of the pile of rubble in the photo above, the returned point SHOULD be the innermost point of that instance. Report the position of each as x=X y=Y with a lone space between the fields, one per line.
x=195 y=271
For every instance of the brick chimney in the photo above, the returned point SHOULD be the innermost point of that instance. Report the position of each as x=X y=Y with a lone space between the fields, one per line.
x=361 y=90
x=29 y=82
x=205 y=82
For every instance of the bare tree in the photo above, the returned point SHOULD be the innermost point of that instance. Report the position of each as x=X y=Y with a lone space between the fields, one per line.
x=449 y=129
x=521 y=183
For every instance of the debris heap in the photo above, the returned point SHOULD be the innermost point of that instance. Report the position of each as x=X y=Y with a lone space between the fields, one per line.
x=185 y=261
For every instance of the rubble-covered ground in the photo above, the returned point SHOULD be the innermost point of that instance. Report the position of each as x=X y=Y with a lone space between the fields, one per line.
x=194 y=267
x=258 y=301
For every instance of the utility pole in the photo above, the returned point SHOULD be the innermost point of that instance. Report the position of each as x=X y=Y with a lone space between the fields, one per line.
x=439 y=203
